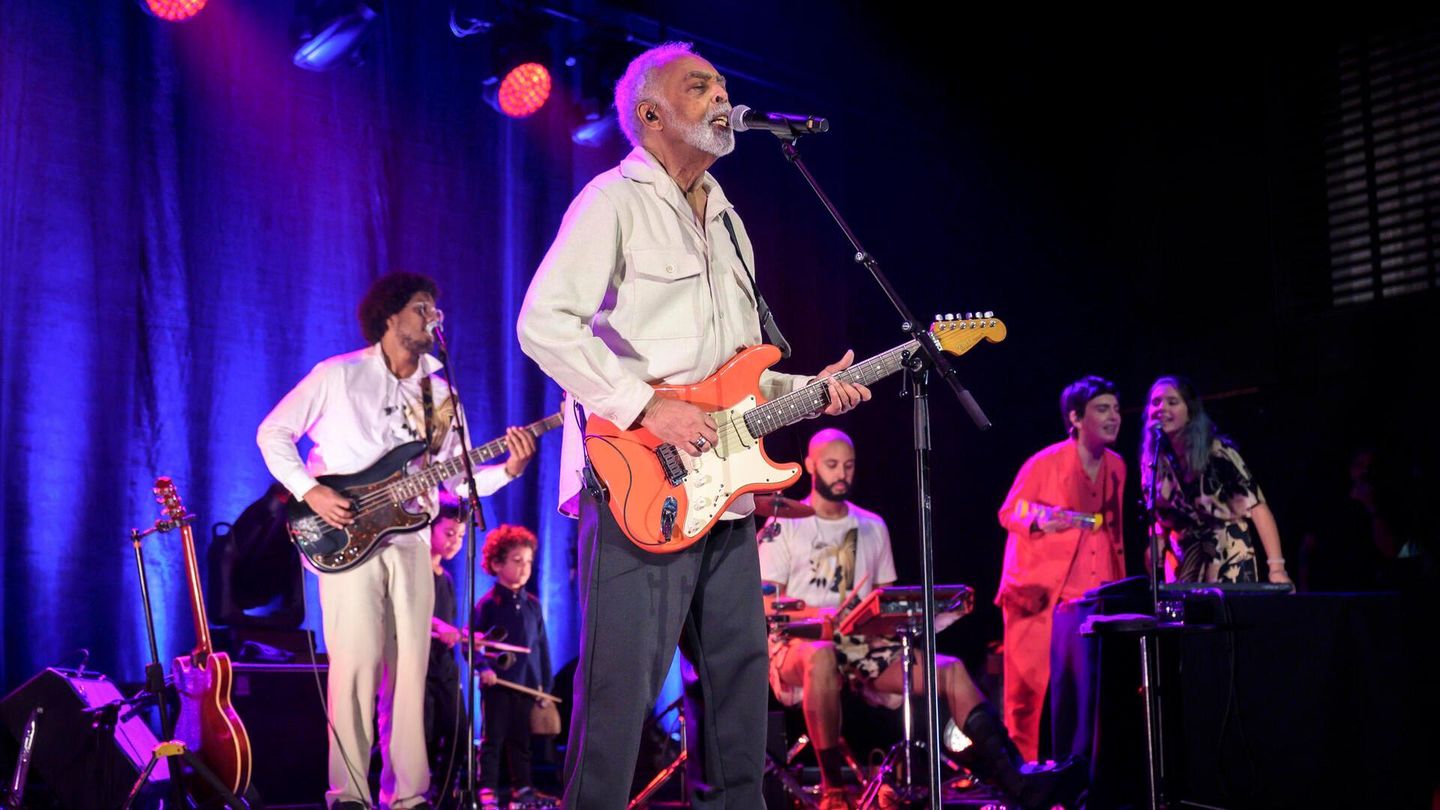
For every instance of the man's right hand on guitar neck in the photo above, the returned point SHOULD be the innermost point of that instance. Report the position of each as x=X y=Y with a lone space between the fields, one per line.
x=331 y=506
x=679 y=423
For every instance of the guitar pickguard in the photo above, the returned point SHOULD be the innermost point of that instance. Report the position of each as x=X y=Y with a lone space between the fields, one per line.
x=735 y=459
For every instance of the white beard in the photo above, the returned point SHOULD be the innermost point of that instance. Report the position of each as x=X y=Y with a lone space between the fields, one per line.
x=718 y=142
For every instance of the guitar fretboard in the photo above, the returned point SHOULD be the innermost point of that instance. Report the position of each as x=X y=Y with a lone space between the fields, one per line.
x=422 y=481
x=811 y=399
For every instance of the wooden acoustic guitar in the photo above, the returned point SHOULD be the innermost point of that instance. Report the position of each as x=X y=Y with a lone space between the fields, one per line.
x=207 y=723
x=665 y=500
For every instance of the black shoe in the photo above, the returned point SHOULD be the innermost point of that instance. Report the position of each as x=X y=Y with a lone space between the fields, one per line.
x=996 y=760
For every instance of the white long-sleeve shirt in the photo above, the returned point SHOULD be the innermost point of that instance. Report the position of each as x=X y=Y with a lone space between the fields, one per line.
x=634 y=291
x=355 y=411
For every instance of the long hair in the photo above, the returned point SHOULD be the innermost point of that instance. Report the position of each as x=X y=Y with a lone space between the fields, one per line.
x=1195 y=438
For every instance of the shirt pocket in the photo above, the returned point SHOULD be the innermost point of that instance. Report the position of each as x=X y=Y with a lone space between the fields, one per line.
x=666 y=294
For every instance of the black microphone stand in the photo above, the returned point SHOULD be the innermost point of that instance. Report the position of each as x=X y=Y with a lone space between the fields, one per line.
x=919 y=367
x=469 y=799
x=1152 y=526
x=1150 y=643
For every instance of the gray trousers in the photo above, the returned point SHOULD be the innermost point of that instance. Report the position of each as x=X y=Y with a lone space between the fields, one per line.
x=635 y=606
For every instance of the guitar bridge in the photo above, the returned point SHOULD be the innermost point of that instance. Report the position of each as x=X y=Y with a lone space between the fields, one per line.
x=671 y=464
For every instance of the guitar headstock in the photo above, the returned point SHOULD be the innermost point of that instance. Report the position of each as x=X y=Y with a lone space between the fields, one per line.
x=169 y=499
x=956 y=334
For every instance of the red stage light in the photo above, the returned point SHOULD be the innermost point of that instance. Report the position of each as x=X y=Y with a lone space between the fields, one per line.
x=524 y=90
x=175 y=10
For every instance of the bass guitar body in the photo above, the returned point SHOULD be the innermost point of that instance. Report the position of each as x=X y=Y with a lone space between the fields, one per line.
x=664 y=499
x=332 y=550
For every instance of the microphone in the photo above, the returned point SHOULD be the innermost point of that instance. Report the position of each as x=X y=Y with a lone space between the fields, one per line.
x=786 y=125
x=437 y=333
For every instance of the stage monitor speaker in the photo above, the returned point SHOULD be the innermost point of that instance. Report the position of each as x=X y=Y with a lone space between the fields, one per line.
x=87 y=753
x=284 y=715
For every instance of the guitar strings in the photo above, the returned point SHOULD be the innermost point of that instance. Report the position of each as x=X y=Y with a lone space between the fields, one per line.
x=370 y=501
x=853 y=374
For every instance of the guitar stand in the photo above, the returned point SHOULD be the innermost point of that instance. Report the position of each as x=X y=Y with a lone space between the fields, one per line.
x=174 y=750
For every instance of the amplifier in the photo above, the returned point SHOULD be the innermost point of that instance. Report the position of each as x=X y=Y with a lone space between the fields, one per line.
x=284 y=713
x=88 y=751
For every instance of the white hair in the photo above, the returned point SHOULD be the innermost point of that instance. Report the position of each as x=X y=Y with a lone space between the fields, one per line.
x=638 y=84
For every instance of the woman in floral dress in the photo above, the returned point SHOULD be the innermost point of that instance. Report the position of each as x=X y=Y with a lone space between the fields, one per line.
x=1207 y=503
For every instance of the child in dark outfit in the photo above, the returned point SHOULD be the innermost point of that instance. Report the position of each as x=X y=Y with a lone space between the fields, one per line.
x=509 y=555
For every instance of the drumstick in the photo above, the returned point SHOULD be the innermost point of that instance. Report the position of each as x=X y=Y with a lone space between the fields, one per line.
x=850 y=603
x=527 y=690
x=481 y=641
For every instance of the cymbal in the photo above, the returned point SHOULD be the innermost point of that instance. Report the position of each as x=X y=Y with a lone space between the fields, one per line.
x=778 y=505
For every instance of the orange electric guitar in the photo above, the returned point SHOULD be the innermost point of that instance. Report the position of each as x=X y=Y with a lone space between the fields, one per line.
x=207 y=724
x=664 y=499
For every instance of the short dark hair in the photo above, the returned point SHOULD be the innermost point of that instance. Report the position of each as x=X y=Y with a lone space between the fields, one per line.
x=1078 y=394
x=452 y=508
x=501 y=541
x=388 y=295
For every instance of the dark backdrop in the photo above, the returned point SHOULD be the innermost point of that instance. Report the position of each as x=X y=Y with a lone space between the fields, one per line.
x=187 y=221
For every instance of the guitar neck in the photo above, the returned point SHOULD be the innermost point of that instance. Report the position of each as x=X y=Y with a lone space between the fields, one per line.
x=422 y=481
x=805 y=401
x=203 y=647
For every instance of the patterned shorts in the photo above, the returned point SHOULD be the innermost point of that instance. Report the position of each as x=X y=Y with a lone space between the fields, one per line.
x=862 y=659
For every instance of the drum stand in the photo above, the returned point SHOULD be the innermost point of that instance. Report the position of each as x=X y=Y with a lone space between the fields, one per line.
x=902 y=754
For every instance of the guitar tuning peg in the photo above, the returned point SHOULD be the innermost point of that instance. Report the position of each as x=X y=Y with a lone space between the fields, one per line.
x=939 y=317
x=989 y=314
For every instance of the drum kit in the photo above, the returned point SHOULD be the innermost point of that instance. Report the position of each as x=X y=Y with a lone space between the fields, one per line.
x=890 y=612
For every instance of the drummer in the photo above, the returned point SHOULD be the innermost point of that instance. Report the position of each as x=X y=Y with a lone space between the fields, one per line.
x=827 y=552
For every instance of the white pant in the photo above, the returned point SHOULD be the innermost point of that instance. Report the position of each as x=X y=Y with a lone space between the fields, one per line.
x=377 y=631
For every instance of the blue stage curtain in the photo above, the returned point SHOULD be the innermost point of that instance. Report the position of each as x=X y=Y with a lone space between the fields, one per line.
x=187 y=223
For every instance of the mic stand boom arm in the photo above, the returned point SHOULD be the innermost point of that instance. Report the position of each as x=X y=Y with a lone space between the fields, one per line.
x=929 y=358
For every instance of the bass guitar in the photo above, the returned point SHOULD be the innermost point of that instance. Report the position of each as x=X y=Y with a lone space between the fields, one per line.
x=378 y=496
x=207 y=723
x=664 y=499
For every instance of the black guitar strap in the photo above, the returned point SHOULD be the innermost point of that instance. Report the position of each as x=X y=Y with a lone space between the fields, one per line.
x=767 y=318
x=427 y=401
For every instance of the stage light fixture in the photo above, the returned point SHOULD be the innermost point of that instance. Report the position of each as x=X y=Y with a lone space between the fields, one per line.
x=173 y=10
x=522 y=92
x=335 y=34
